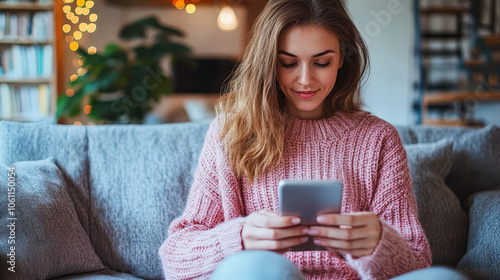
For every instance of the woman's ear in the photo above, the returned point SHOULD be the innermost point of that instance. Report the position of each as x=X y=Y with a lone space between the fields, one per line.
x=341 y=62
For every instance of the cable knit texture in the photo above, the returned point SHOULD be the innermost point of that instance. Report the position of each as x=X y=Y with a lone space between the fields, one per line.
x=361 y=150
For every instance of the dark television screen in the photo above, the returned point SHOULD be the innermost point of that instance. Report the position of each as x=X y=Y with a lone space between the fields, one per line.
x=204 y=75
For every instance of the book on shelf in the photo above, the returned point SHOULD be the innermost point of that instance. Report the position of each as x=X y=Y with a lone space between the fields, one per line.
x=41 y=2
x=26 y=62
x=30 y=103
x=36 y=26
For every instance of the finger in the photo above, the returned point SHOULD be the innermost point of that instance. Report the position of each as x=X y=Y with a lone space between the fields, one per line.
x=344 y=233
x=352 y=219
x=275 y=245
x=258 y=233
x=368 y=244
x=273 y=220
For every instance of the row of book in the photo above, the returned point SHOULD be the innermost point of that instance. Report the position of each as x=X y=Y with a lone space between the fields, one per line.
x=41 y=2
x=21 y=62
x=37 y=26
x=30 y=103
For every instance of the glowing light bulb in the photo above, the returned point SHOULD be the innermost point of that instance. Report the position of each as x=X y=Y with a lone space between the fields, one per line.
x=73 y=46
x=93 y=17
x=77 y=35
x=78 y=10
x=89 y=4
x=77 y=123
x=73 y=77
x=67 y=9
x=227 y=19
x=75 y=19
x=87 y=109
x=70 y=92
x=92 y=50
x=190 y=9
x=83 y=27
x=80 y=3
x=66 y=28
x=85 y=11
x=91 y=27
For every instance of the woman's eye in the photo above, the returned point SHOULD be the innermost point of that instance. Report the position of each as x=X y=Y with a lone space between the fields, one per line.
x=290 y=65
x=322 y=65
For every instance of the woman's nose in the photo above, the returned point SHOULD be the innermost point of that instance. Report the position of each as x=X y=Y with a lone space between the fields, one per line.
x=305 y=77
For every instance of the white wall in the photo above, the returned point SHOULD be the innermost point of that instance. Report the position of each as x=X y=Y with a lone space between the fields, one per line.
x=388 y=29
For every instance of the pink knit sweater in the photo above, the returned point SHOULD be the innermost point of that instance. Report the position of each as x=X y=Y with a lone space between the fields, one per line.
x=359 y=149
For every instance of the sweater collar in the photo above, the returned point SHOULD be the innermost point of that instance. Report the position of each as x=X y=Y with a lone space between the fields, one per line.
x=313 y=130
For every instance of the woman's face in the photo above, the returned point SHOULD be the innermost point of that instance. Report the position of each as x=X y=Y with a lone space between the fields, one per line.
x=308 y=61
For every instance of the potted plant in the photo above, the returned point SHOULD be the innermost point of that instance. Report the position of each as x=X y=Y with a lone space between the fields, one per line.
x=121 y=84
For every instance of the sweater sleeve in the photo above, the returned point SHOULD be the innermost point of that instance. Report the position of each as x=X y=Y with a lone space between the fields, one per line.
x=209 y=229
x=403 y=246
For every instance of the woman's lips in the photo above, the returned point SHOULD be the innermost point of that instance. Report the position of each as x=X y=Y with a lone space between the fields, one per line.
x=306 y=94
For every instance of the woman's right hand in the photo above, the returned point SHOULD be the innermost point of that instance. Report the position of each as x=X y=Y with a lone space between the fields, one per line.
x=266 y=230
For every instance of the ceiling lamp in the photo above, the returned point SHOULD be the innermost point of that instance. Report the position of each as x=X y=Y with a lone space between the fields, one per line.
x=227 y=20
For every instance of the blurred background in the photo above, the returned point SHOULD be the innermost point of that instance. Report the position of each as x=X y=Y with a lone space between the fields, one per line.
x=84 y=62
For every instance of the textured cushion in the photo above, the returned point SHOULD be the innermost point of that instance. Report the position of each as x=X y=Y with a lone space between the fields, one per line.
x=49 y=239
x=106 y=274
x=140 y=177
x=476 y=151
x=67 y=144
x=439 y=210
x=482 y=260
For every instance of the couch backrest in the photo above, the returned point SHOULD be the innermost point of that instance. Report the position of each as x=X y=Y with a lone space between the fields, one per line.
x=128 y=183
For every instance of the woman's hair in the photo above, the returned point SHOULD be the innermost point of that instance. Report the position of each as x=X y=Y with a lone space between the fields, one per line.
x=252 y=121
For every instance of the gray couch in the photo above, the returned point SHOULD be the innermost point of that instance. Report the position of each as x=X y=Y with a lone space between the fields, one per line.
x=95 y=202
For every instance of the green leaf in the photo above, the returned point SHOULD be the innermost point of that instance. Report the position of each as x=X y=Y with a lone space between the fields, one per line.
x=137 y=30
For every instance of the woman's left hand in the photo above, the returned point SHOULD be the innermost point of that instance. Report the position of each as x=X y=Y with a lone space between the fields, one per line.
x=356 y=234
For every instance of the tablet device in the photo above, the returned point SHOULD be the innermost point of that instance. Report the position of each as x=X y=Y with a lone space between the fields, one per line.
x=307 y=199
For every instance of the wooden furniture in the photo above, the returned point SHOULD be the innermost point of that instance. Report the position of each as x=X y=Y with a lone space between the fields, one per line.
x=32 y=96
x=474 y=70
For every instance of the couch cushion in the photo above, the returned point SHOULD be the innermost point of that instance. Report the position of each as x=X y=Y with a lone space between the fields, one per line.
x=67 y=144
x=476 y=151
x=482 y=260
x=440 y=213
x=106 y=274
x=43 y=229
x=140 y=177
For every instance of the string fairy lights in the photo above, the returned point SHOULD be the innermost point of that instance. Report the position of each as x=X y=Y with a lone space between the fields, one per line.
x=79 y=20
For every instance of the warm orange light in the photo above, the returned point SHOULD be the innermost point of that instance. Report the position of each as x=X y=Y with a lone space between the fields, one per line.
x=92 y=50
x=87 y=109
x=91 y=27
x=89 y=4
x=66 y=28
x=67 y=9
x=81 y=71
x=77 y=123
x=75 y=19
x=180 y=4
x=90 y=123
x=80 y=3
x=70 y=15
x=70 y=92
x=190 y=9
x=73 y=46
x=78 y=10
x=80 y=62
x=75 y=63
x=83 y=27
x=68 y=39
x=93 y=17
x=73 y=77
x=85 y=11
x=77 y=35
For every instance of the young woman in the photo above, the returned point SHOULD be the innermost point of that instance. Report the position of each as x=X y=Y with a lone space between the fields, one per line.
x=293 y=111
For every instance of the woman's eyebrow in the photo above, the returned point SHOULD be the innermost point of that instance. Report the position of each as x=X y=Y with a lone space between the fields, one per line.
x=316 y=55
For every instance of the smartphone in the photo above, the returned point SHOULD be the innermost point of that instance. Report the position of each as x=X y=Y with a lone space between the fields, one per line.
x=307 y=199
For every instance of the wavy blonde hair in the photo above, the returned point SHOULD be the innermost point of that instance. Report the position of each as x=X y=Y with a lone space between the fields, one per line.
x=252 y=121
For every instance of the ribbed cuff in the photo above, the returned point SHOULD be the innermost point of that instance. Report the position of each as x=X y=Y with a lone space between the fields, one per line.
x=382 y=262
x=230 y=236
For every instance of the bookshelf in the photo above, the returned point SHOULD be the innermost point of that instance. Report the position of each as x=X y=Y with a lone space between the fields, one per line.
x=28 y=64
